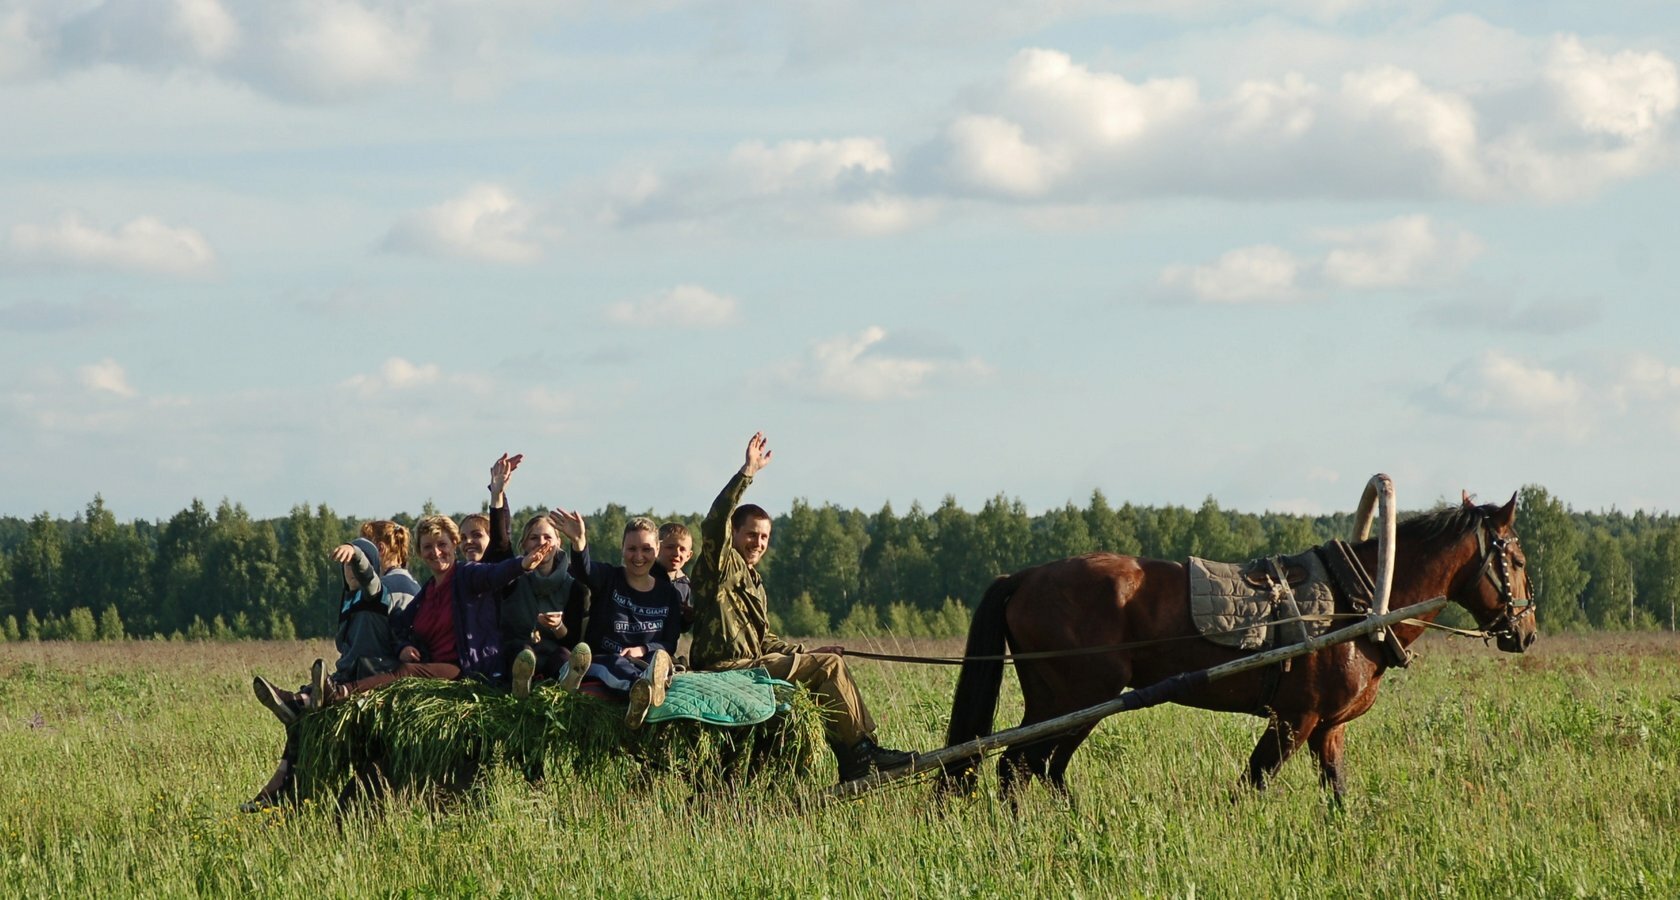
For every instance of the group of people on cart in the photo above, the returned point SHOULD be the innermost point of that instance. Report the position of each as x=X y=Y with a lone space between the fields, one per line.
x=490 y=613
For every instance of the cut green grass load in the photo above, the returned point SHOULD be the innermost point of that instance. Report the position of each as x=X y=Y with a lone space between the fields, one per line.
x=420 y=734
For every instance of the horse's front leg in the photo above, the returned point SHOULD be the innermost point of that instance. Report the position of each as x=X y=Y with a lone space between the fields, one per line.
x=1279 y=741
x=1326 y=745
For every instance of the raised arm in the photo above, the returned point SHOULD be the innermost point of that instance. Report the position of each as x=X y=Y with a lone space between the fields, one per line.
x=501 y=516
x=481 y=578
x=501 y=471
x=714 y=531
x=361 y=565
x=570 y=524
x=597 y=575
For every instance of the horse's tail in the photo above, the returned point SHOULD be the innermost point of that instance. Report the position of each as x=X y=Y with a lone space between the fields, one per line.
x=975 y=702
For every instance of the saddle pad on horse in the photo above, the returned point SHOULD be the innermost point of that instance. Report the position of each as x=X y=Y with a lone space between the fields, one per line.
x=1236 y=604
x=730 y=699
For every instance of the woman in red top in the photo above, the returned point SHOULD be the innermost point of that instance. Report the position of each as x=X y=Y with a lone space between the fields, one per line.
x=427 y=629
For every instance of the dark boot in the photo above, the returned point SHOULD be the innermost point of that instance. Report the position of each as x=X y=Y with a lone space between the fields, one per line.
x=887 y=759
x=853 y=765
x=866 y=757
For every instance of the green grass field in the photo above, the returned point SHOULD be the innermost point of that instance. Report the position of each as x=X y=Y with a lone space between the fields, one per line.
x=1477 y=774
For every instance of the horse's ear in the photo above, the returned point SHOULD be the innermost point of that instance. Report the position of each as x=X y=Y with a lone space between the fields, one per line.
x=1468 y=503
x=1506 y=516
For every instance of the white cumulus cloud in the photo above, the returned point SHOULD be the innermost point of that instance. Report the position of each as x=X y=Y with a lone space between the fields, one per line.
x=144 y=244
x=1247 y=274
x=304 y=50
x=684 y=306
x=486 y=224
x=1052 y=129
x=395 y=374
x=1501 y=386
x=1403 y=252
x=344 y=48
x=868 y=366
x=1410 y=251
x=843 y=185
x=1627 y=94
x=106 y=376
x=1633 y=397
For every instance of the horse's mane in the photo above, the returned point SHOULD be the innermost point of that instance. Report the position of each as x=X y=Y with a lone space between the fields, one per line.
x=1446 y=523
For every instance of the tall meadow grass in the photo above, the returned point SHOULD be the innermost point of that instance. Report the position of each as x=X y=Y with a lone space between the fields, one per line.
x=1476 y=774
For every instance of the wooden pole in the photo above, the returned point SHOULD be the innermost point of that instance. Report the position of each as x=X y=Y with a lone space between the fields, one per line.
x=1143 y=698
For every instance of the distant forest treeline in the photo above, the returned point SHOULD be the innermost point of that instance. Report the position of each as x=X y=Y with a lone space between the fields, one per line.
x=221 y=574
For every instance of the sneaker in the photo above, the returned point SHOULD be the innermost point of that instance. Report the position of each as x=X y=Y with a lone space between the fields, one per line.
x=641 y=700
x=571 y=675
x=284 y=704
x=317 y=685
x=524 y=666
x=658 y=675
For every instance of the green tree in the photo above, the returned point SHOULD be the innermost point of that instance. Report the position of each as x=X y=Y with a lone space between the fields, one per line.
x=31 y=626
x=1666 y=563
x=110 y=625
x=106 y=562
x=7 y=604
x=950 y=620
x=905 y=621
x=38 y=567
x=308 y=584
x=953 y=551
x=10 y=626
x=54 y=628
x=1111 y=531
x=179 y=587
x=902 y=573
x=280 y=627
x=244 y=557
x=1288 y=534
x=1552 y=546
x=802 y=618
x=832 y=557
x=1210 y=534
x=861 y=621
x=791 y=538
x=81 y=625
x=1166 y=532
x=1003 y=535
x=1609 y=592
x=1061 y=533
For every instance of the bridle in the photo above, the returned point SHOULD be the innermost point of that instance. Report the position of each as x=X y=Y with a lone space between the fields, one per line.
x=1495 y=566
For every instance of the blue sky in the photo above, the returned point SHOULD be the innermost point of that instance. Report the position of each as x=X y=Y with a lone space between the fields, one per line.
x=348 y=251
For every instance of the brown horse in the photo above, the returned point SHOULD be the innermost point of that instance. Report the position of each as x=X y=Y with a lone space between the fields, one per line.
x=1467 y=553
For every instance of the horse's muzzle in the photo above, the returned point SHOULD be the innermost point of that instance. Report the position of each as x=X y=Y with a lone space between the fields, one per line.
x=1516 y=640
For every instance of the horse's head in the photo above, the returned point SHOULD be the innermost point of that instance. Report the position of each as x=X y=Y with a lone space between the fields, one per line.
x=1494 y=585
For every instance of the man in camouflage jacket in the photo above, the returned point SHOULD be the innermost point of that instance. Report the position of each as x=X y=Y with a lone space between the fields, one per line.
x=732 y=623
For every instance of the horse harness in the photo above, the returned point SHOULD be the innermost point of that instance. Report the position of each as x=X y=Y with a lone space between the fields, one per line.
x=1355 y=590
x=1495 y=566
x=1353 y=584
